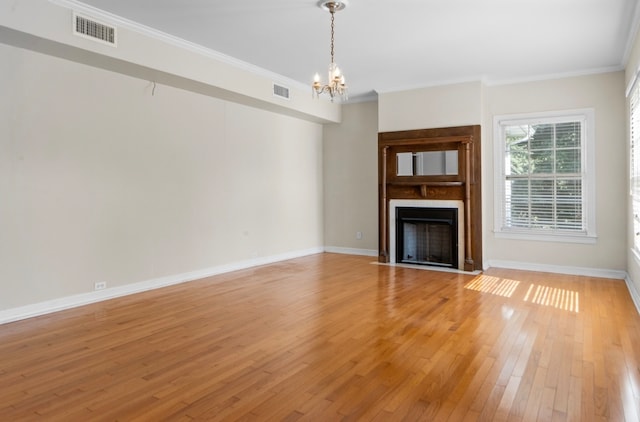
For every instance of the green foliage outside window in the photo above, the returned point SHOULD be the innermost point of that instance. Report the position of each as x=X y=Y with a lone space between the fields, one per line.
x=543 y=185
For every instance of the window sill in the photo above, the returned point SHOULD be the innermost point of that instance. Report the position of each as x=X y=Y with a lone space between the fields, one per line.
x=547 y=237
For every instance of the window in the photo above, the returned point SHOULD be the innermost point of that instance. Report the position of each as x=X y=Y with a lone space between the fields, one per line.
x=635 y=163
x=544 y=176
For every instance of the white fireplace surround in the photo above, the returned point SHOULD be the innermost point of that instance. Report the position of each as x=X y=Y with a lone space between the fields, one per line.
x=425 y=203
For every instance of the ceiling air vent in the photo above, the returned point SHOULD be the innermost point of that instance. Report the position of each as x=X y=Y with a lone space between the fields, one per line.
x=92 y=29
x=280 y=91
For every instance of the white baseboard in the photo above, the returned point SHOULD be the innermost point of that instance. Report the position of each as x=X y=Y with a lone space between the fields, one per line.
x=560 y=269
x=49 y=306
x=590 y=272
x=351 y=251
x=42 y=308
x=633 y=291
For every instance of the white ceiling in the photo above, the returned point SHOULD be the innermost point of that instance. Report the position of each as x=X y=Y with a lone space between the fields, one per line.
x=389 y=45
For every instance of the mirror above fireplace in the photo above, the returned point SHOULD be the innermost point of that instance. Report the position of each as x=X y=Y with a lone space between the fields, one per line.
x=427 y=163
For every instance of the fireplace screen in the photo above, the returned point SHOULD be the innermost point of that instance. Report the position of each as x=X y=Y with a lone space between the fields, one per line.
x=427 y=236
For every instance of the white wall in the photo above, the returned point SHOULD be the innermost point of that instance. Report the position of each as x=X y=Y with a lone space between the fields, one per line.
x=351 y=180
x=102 y=181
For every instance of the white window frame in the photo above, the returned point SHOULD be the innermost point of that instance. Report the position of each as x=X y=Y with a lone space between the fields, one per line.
x=587 y=117
x=633 y=94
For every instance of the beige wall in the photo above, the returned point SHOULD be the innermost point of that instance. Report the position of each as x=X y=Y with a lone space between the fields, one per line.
x=350 y=152
x=44 y=26
x=439 y=106
x=102 y=181
x=473 y=103
x=605 y=94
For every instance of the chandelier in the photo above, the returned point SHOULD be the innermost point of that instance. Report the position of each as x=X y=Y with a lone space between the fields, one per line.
x=335 y=85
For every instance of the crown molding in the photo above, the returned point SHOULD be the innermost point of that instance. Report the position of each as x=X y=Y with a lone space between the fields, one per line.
x=552 y=76
x=489 y=82
x=426 y=85
x=139 y=28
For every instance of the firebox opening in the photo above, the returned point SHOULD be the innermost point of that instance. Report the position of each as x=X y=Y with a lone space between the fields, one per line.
x=427 y=236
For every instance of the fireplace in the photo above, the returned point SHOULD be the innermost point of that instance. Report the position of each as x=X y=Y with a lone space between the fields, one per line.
x=427 y=236
x=440 y=216
x=431 y=168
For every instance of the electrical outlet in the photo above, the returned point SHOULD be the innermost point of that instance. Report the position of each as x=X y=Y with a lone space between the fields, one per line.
x=358 y=235
x=100 y=285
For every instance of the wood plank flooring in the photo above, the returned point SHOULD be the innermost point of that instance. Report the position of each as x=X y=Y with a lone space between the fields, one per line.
x=334 y=337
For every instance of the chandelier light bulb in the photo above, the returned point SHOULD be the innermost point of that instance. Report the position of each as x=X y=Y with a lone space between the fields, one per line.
x=334 y=72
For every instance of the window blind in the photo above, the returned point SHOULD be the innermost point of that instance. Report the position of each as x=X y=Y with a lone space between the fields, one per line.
x=543 y=181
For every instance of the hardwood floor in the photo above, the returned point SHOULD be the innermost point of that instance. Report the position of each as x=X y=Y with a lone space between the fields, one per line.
x=334 y=337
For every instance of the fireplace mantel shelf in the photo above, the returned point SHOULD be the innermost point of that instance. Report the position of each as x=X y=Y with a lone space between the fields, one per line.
x=414 y=183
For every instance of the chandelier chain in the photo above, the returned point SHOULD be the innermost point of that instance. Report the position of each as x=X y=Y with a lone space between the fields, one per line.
x=333 y=16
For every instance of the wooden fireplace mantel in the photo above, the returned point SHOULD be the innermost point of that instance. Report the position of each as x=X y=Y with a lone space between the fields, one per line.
x=463 y=186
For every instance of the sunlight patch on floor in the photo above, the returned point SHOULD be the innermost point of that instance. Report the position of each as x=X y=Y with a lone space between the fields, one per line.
x=494 y=285
x=567 y=300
